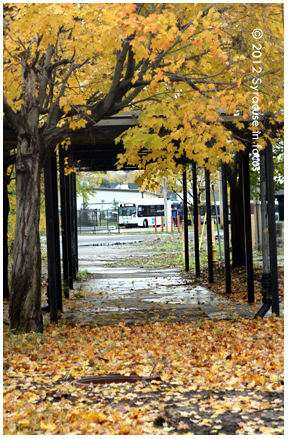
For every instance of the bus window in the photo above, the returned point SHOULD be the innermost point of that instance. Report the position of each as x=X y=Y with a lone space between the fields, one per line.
x=159 y=210
x=152 y=210
x=127 y=210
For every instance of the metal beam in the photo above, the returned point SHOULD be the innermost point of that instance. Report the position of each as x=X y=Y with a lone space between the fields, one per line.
x=50 y=234
x=195 y=211
x=226 y=228
x=68 y=230
x=185 y=214
x=73 y=216
x=272 y=228
x=209 y=231
x=64 y=223
x=247 y=221
x=266 y=281
x=54 y=189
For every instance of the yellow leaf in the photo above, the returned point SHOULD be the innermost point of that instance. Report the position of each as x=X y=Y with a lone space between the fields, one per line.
x=219 y=412
x=74 y=373
x=56 y=378
x=96 y=417
x=49 y=426
x=24 y=423
x=67 y=108
x=108 y=355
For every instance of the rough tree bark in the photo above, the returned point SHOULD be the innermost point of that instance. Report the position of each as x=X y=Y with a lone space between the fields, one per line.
x=6 y=209
x=25 y=305
x=8 y=160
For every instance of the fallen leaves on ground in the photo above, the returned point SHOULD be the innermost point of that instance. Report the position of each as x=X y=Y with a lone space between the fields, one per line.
x=238 y=282
x=216 y=377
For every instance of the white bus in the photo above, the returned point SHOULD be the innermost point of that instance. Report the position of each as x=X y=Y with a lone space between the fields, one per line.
x=142 y=212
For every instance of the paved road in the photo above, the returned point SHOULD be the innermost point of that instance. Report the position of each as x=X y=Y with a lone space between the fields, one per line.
x=95 y=240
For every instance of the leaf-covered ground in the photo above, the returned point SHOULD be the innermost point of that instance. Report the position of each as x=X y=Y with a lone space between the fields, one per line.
x=217 y=377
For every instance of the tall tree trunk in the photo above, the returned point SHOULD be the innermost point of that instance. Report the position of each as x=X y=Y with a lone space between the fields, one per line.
x=6 y=209
x=8 y=160
x=25 y=305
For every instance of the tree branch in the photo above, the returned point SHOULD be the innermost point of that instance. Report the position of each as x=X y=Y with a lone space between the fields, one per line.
x=130 y=66
x=11 y=116
x=61 y=62
x=109 y=99
x=10 y=160
x=45 y=75
x=67 y=76
x=128 y=100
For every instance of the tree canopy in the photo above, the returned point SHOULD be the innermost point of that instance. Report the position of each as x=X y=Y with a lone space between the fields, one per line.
x=188 y=62
x=225 y=69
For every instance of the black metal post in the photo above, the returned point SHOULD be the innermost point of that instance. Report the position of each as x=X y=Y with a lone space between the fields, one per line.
x=272 y=229
x=76 y=222
x=266 y=281
x=52 y=287
x=247 y=222
x=69 y=231
x=217 y=222
x=56 y=231
x=64 y=223
x=209 y=231
x=185 y=213
x=195 y=212
x=226 y=228
x=73 y=218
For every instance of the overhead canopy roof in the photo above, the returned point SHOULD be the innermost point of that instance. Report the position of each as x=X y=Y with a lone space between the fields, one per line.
x=94 y=149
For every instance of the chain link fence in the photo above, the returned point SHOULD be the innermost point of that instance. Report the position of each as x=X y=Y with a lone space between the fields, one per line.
x=96 y=220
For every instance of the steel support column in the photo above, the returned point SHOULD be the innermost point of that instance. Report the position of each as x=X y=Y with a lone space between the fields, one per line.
x=50 y=234
x=69 y=230
x=266 y=281
x=226 y=228
x=209 y=231
x=195 y=211
x=73 y=214
x=217 y=222
x=247 y=222
x=185 y=213
x=272 y=229
x=64 y=223
x=56 y=231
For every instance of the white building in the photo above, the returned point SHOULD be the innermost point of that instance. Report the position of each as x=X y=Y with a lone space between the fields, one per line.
x=104 y=197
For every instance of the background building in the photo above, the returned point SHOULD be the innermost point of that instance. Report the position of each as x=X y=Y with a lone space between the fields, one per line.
x=109 y=198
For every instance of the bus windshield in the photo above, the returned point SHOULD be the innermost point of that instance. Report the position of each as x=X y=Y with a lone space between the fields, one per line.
x=127 y=210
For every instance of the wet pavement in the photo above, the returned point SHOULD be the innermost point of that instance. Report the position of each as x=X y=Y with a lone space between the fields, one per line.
x=133 y=294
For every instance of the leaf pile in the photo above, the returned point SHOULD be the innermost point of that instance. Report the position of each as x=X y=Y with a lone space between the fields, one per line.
x=238 y=282
x=211 y=373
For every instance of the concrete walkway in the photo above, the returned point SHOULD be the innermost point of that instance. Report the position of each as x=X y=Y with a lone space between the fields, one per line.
x=133 y=294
